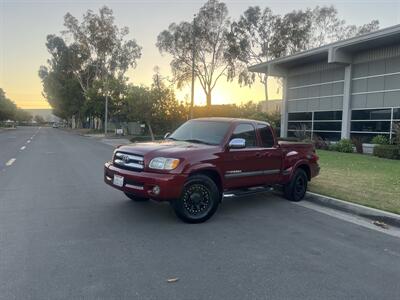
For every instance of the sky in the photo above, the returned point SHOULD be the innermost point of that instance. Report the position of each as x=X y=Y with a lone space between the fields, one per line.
x=25 y=24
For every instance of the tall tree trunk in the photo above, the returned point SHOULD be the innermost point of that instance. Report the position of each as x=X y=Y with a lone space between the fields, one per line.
x=266 y=87
x=150 y=130
x=208 y=98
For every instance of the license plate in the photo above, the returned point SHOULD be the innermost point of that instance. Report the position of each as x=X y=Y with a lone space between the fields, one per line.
x=118 y=180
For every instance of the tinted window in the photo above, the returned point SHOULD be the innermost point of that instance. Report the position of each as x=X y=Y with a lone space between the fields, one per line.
x=267 y=140
x=247 y=132
x=300 y=116
x=372 y=126
x=299 y=125
x=335 y=126
x=371 y=114
x=396 y=113
x=208 y=132
x=328 y=115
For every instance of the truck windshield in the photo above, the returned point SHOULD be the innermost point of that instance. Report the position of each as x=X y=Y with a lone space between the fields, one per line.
x=203 y=132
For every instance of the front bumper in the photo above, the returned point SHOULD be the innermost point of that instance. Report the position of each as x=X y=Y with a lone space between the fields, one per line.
x=142 y=183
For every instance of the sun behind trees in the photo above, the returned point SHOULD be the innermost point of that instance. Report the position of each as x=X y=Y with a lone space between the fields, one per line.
x=89 y=60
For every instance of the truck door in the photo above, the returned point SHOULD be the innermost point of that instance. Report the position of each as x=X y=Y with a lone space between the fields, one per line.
x=243 y=167
x=271 y=155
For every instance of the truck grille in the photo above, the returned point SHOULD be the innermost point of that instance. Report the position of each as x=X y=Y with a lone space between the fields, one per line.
x=129 y=161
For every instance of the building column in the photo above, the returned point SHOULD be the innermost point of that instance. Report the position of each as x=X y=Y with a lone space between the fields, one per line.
x=346 y=115
x=284 y=109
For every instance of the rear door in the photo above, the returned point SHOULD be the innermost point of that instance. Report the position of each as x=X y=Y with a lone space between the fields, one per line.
x=243 y=167
x=271 y=155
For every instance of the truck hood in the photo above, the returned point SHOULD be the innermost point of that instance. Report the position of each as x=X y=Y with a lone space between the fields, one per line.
x=176 y=149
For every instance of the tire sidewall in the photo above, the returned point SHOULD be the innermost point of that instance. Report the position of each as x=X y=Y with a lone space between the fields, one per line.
x=209 y=184
x=290 y=192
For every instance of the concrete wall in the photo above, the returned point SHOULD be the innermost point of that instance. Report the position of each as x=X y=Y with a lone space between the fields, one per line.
x=315 y=87
x=376 y=78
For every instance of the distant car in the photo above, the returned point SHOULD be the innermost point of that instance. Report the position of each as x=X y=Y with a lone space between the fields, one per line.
x=55 y=125
x=207 y=159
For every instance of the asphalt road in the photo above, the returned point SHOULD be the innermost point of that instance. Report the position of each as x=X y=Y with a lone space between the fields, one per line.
x=66 y=235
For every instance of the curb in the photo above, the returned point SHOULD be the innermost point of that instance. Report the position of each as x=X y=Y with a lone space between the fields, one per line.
x=355 y=209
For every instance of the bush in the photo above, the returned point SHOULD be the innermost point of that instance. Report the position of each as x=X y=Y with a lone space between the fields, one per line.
x=320 y=143
x=380 y=140
x=387 y=151
x=344 y=145
x=358 y=144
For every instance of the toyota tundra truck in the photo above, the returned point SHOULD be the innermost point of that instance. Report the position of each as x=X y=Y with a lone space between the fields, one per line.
x=207 y=159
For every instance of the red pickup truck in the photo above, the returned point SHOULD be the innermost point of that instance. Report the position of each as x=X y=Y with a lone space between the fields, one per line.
x=207 y=159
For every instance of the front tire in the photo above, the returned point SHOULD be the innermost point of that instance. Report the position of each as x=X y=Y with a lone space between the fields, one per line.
x=296 y=189
x=199 y=200
x=136 y=198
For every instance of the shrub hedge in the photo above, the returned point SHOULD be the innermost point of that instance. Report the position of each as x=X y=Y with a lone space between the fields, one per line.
x=344 y=145
x=387 y=151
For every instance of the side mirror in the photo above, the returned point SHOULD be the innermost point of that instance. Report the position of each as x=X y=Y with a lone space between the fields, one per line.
x=237 y=143
x=167 y=135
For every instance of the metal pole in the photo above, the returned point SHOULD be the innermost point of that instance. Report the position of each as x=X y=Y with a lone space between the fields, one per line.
x=106 y=116
x=193 y=60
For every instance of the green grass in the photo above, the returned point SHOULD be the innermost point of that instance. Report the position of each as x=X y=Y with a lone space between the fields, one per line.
x=362 y=179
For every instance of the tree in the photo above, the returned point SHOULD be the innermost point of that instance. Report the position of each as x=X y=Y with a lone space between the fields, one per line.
x=39 y=119
x=7 y=107
x=210 y=28
x=259 y=35
x=83 y=71
x=60 y=87
x=100 y=49
x=9 y=111
x=327 y=27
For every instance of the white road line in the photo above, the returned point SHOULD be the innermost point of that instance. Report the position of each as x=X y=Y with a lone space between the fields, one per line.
x=10 y=162
x=28 y=141
x=23 y=147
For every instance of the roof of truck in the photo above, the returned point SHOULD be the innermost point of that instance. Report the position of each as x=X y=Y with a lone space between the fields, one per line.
x=230 y=120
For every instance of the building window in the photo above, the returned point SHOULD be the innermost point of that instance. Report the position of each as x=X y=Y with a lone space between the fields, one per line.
x=371 y=114
x=367 y=123
x=304 y=116
x=325 y=124
x=328 y=115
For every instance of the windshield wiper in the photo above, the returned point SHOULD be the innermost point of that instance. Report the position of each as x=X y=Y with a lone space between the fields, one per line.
x=198 y=142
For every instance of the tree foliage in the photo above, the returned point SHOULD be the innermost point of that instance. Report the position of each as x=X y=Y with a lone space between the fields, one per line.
x=87 y=68
x=207 y=35
x=260 y=35
x=10 y=111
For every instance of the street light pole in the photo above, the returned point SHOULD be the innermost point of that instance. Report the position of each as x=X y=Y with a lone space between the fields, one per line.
x=106 y=110
x=193 y=61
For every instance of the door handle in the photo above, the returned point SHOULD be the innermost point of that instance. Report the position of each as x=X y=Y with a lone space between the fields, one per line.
x=259 y=155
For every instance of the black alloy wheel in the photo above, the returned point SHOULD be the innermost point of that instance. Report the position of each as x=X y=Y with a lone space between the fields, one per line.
x=199 y=200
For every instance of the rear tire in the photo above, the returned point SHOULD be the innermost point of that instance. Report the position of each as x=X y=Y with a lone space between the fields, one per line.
x=136 y=198
x=199 y=200
x=296 y=189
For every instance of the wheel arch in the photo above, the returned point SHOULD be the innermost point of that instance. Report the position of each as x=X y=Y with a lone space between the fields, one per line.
x=306 y=169
x=213 y=174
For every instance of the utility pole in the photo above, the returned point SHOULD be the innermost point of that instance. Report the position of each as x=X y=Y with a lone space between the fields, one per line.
x=193 y=60
x=106 y=110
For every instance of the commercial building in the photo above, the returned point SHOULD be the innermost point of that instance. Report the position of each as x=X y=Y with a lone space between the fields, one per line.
x=346 y=89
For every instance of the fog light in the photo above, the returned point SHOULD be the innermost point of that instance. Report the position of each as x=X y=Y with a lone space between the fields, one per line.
x=156 y=190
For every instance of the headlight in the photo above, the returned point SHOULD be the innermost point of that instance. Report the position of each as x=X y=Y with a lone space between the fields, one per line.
x=162 y=163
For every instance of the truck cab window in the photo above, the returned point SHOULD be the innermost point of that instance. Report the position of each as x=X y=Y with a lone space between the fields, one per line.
x=246 y=132
x=267 y=139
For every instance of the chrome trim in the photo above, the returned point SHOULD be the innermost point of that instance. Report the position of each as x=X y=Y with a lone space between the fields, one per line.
x=292 y=153
x=137 y=187
x=131 y=157
x=131 y=165
x=252 y=173
x=108 y=178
